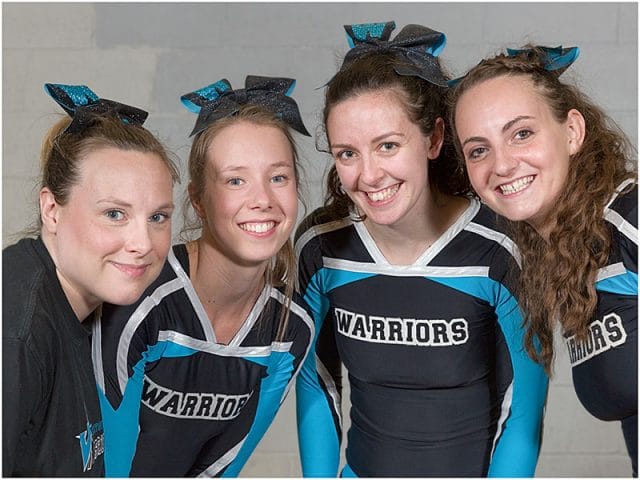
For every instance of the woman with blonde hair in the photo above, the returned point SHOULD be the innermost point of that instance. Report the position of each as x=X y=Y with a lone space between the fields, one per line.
x=194 y=374
x=106 y=201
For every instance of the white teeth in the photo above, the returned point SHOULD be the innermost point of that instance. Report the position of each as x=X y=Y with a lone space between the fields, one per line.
x=516 y=186
x=383 y=194
x=257 y=227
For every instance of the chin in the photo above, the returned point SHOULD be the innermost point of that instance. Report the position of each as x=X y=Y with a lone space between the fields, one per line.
x=126 y=298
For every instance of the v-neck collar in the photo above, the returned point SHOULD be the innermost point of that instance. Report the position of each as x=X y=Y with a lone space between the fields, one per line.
x=430 y=252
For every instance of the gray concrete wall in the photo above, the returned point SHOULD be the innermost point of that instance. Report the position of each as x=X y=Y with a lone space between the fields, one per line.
x=148 y=54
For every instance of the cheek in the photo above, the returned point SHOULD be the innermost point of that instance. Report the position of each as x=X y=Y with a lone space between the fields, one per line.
x=161 y=241
x=290 y=200
x=477 y=175
x=347 y=176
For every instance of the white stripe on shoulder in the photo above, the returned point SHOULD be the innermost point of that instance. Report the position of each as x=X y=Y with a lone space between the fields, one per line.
x=404 y=270
x=498 y=237
x=619 y=189
x=319 y=230
x=297 y=309
x=610 y=271
x=622 y=225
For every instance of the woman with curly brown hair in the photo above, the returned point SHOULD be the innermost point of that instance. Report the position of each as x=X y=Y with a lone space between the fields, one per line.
x=539 y=153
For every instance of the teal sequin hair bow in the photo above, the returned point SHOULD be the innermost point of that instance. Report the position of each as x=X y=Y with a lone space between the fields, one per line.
x=418 y=45
x=84 y=106
x=219 y=100
x=552 y=59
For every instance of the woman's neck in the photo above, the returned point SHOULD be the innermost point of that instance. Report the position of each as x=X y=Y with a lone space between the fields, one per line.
x=82 y=305
x=404 y=242
x=226 y=290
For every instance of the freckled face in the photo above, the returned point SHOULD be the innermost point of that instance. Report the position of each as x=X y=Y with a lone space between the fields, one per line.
x=381 y=157
x=250 y=202
x=517 y=154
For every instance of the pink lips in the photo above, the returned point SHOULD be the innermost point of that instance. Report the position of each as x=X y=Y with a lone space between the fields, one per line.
x=134 y=271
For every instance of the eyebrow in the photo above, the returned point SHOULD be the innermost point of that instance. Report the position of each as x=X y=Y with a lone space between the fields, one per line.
x=505 y=127
x=373 y=140
x=240 y=168
x=124 y=204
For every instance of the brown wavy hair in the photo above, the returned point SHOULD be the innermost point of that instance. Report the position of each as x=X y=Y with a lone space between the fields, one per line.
x=424 y=103
x=558 y=275
x=281 y=271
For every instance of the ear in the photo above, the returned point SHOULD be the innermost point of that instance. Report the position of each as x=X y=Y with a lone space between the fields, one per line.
x=49 y=210
x=195 y=200
x=436 y=139
x=576 y=130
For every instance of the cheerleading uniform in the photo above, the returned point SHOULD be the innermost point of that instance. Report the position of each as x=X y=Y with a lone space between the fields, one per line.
x=177 y=403
x=605 y=365
x=440 y=382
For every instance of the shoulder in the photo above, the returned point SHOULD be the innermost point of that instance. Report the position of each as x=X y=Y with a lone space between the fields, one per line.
x=300 y=327
x=28 y=290
x=622 y=210
x=320 y=221
x=489 y=237
x=321 y=227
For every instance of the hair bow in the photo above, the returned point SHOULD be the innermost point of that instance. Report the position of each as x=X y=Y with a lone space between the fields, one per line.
x=417 y=44
x=219 y=100
x=556 y=59
x=83 y=105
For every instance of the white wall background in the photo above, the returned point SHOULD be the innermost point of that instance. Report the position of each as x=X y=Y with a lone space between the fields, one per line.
x=148 y=54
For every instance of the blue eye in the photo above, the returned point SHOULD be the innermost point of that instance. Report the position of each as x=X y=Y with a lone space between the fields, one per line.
x=114 y=215
x=159 y=217
x=279 y=178
x=523 y=134
x=235 y=181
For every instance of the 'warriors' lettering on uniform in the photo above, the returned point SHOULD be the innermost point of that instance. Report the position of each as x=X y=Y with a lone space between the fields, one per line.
x=203 y=406
x=603 y=335
x=402 y=331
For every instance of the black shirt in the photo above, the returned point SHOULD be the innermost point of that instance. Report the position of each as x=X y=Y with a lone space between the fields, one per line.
x=51 y=422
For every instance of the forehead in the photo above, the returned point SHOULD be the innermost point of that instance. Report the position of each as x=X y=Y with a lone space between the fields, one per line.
x=507 y=90
x=112 y=171
x=498 y=100
x=246 y=143
x=116 y=161
x=359 y=114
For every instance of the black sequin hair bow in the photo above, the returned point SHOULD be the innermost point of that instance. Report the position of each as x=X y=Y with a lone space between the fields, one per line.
x=419 y=45
x=84 y=106
x=552 y=59
x=219 y=100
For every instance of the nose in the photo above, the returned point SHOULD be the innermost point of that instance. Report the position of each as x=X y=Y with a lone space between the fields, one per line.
x=138 y=238
x=261 y=196
x=504 y=163
x=372 y=172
